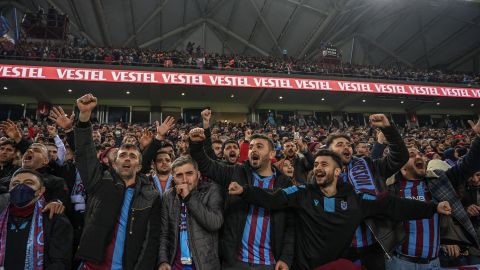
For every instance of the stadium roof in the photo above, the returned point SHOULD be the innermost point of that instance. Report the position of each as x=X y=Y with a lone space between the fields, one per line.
x=423 y=33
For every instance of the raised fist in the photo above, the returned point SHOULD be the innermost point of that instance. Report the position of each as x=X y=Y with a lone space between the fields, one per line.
x=86 y=103
x=379 y=121
x=197 y=135
x=235 y=189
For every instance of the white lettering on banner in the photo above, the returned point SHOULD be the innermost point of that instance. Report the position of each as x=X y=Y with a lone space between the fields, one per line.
x=356 y=87
x=476 y=93
x=81 y=74
x=313 y=84
x=272 y=83
x=390 y=89
x=22 y=72
x=183 y=79
x=455 y=92
x=127 y=76
x=229 y=81
x=423 y=90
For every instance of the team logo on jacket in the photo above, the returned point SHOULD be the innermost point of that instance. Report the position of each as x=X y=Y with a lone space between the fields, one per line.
x=316 y=202
x=343 y=205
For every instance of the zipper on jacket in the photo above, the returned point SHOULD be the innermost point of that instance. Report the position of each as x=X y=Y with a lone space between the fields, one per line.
x=383 y=248
x=131 y=221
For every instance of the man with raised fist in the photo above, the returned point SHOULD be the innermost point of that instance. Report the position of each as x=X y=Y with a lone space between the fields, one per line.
x=122 y=218
x=252 y=237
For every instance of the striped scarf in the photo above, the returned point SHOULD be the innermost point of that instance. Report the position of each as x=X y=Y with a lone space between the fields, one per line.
x=35 y=242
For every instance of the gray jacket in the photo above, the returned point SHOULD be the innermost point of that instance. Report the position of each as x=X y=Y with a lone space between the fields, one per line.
x=204 y=218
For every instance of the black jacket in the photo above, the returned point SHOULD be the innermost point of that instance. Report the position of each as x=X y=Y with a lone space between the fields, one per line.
x=387 y=233
x=58 y=240
x=204 y=219
x=7 y=170
x=326 y=225
x=302 y=165
x=105 y=193
x=282 y=233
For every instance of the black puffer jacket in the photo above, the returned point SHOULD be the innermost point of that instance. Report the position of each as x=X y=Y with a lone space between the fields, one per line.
x=282 y=233
x=105 y=193
x=204 y=218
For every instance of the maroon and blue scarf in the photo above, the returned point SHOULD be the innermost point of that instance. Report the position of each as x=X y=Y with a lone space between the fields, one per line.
x=361 y=177
x=35 y=243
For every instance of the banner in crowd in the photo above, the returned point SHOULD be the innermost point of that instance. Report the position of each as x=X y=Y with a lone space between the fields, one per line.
x=222 y=80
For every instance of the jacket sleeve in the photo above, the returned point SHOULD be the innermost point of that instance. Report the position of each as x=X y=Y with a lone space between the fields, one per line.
x=148 y=258
x=60 y=244
x=23 y=145
x=377 y=150
x=279 y=199
x=164 y=251
x=207 y=145
x=217 y=171
x=288 y=248
x=307 y=161
x=396 y=158
x=469 y=165
x=149 y=154
x=61 y=150
x=397 y=209
x=210 y=215
x=86 y=157
x=71 y=139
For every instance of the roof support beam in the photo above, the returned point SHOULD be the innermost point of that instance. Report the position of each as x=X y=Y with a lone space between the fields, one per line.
x=289 y=22
x=446 y=41
x=100 y=16
x=265 y=24
x=385 y=50
x=145 y=23
x=132 y=17
x=424 y=40
x=237 y=37
x=316 y=33
x=173 y=32
x=323 y=13
x=252 y=33
x=455 y=61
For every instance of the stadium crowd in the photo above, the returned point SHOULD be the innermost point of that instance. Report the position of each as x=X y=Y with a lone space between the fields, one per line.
x=76 y=194
x=78 y=51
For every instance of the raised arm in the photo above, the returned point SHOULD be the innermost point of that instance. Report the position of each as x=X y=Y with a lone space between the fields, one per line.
x=85 y=154
x=279 y=199
x=150 y=151
x=217 y=171
x=402 y=209
x=470 y=163
x=398 y=154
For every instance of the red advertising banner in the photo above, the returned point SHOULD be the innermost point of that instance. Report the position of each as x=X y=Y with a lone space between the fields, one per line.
x=150 y=77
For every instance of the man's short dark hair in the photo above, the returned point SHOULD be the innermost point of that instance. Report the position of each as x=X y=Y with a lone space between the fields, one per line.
x=8 y=142
x=161 y=152
x=230 y=141
x=30 y=171
x=51 y=144
x=335 y=136
x=217 y=142
x=271 y=145
x=333 y=155
x=183 y=160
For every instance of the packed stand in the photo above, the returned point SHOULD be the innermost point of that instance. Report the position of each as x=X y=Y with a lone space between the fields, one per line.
x=78 y=51
x=76 y=194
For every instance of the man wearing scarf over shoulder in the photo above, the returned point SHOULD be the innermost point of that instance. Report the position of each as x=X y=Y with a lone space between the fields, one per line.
x=373 y=238
x=29 y=239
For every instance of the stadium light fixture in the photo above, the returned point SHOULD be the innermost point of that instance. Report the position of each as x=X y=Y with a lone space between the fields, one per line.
x=280 y=97
x=472 y=105
x=438 y=103
x=69 y=90
x=323 y=99
x=364 y=100
x=128 y=92
x=232 y=96
x=183 y=94
x=402 y=102
x=5 y=88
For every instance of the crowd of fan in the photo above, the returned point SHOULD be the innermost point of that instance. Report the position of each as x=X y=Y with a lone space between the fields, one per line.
x=80 y=52
x=78 y=164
